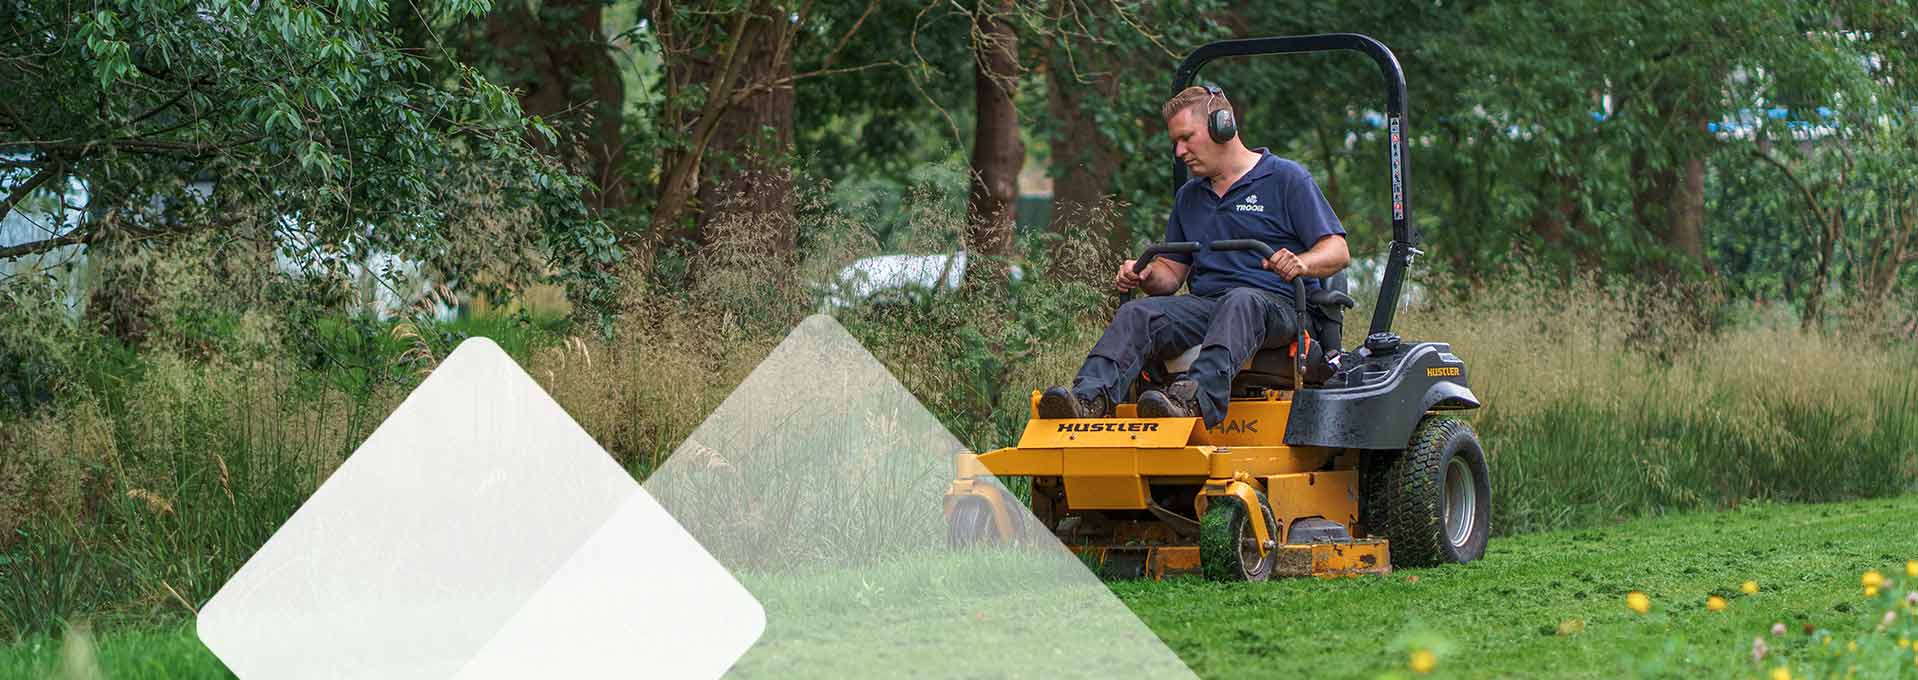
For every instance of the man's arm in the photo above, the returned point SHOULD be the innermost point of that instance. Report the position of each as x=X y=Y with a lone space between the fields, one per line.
x=1327 y=257
x=1166 y=273
x=1312 y=221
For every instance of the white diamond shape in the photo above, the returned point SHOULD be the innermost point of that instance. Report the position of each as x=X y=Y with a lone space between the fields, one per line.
x=479 y=532
x=820 y=482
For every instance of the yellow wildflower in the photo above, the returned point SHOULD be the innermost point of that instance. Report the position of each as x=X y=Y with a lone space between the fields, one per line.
x=1715 y=603
x=1911 y=568
x=1872 y=579
x=1851 y=646
x=1748 y=587
x=1871 y=591
x=1423 y=661
x=1781 y=673
x=1904 y=643
x=1638 y=602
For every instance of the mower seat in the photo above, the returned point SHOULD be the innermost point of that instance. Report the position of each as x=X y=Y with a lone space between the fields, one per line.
x=1271 y=366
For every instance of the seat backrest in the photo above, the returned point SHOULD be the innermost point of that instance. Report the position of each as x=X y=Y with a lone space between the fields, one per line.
x=1329 y=320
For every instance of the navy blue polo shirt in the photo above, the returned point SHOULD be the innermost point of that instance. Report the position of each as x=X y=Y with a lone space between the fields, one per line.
x=1276 y=202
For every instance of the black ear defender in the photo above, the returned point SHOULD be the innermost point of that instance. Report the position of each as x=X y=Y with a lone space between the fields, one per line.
x=1219 y=124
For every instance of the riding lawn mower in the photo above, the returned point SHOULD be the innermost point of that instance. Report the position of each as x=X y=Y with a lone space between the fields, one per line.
x=1327 y=463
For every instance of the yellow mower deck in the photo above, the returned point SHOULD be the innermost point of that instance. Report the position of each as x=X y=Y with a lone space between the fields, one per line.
x=1115 y=464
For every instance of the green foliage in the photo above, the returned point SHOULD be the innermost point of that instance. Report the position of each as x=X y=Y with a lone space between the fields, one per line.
x=322 y=138
x=1545 y=135
x=1117 y=58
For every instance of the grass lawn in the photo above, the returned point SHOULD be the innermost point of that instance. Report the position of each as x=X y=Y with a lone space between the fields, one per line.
x=1503 y=616
x=158 y=653
x=1549 y=604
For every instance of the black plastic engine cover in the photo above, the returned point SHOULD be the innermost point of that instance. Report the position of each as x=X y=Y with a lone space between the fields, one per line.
x=1376 y=401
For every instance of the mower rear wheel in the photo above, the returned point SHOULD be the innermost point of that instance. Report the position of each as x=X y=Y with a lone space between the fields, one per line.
x=1438 y=496
x=1228 y=550
x=970 y=523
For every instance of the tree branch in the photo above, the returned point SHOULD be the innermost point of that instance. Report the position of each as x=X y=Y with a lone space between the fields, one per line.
x=913 y=40
x=672 y=194
x=36 y=247
x=189 y=89
x=145 y=145
x=745 y=93
x=834 y=52
x=21 y=192
x=1811 y=198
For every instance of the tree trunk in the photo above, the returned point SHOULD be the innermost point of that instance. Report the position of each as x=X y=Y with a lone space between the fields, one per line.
x=1670 y=203
x=1685 y=230
x=1652 y=197
x=1827 y=235
x=997 y=152
x=1550 y=216
x=745 y=187
x=1085 y=159
x=566 y=75
x=1560 y=221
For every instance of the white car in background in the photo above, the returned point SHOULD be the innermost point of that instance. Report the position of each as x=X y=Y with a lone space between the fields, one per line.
x=885 y=279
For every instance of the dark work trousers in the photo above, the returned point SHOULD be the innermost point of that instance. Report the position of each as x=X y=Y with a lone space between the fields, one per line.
x=1229 y=326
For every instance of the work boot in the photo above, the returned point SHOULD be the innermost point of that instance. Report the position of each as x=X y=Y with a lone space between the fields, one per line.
x=1058 y=402
x=1179 y=400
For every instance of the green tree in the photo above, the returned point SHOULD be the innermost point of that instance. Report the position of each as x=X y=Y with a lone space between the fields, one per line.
x=998 y=153
x=1108 y=68
x=722 y=124
x=320 y=137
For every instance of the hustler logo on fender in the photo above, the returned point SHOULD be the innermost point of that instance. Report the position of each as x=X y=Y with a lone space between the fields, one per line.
x=1108 y=427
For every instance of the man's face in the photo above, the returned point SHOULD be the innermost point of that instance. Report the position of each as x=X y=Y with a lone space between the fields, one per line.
x=1191 y=144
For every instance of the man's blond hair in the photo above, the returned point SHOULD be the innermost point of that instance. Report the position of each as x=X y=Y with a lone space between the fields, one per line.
x=1197 y=96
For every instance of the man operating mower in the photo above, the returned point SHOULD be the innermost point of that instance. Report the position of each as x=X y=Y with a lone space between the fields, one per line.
x=1237 y=299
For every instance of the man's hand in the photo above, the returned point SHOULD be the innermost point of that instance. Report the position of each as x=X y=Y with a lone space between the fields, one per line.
x=1286 y=264
x=1126 y=280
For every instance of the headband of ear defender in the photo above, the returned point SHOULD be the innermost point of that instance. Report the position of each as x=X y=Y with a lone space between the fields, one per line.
x=1219 y=124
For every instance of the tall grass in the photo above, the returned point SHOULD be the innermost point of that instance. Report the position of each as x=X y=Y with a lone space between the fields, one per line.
x=1601 y=405
x=146 y=507
x=132 y=494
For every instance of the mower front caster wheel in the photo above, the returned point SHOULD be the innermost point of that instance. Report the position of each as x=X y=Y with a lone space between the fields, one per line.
x=1228 y=550
x=970 y=523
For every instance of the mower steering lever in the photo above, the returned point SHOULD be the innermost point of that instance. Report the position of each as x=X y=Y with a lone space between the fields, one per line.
x=1265 y=252
x=1168 y=248
x=1298 y=298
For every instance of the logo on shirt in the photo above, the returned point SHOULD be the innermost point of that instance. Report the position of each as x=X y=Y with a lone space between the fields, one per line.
x=1251 y=204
